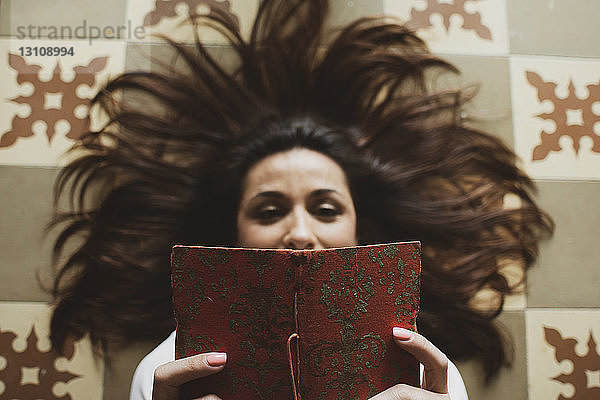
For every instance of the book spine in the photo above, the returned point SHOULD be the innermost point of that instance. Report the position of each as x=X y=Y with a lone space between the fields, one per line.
x=294 y=351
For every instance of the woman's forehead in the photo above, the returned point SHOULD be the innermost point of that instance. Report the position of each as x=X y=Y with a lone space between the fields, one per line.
x=296 y=168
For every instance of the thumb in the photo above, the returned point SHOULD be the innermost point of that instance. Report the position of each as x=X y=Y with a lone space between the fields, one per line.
x=168 y=377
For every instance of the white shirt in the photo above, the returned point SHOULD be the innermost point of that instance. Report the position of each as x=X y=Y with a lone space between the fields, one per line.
x=143 y=379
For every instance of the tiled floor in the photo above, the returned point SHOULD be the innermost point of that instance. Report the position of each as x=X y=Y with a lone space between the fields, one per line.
x=538 y=66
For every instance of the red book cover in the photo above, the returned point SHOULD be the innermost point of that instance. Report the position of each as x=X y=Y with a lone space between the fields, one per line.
x=309 y=324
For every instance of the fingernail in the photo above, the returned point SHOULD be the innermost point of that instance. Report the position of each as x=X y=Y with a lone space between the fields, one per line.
x=402 y=334
x=217 y=359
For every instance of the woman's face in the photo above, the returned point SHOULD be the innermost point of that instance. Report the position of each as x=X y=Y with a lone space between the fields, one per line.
x=297 y=199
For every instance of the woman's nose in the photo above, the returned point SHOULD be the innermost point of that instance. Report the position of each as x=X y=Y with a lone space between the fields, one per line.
x=300 y=235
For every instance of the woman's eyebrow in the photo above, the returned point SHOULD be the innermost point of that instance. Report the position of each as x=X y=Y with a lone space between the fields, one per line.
x=321 y=192
x=270 y=193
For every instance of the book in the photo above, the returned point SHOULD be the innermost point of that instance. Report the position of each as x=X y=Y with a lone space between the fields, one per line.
x=297 y=324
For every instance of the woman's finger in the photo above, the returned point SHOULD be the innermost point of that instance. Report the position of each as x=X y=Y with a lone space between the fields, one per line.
x=407 y=392
x=168 y=377
x=435 y=377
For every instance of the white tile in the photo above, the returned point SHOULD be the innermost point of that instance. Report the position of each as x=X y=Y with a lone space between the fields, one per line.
x=484 y=33
x=160 y=17
x=40 y=148
x=568 y=90
x=562 y=334
x=18 y=322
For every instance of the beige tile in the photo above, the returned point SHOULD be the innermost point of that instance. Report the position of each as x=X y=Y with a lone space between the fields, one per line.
x=567 y=274
x=25 y=252
x=511 y=382
x=561 y=359
x=120 y=368
x=342 y=12
x=489 y=77
x=554 y=27
x=44 y=99
x=29 y=360
x=556 y=116
x=156 y=57
x=166 y=17
x=4 y=18
x=464 y=27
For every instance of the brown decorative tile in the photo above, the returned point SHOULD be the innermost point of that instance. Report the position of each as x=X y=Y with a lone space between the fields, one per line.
x=511 y=383
x=554 y=27
x=46 y=98
x=25 y=252
x=169 y=17
x=564 y=362
x=459 y=26
x=570 y=108
x=556 y=113
x=567 y=274
x=32 y=370
x=471 y=20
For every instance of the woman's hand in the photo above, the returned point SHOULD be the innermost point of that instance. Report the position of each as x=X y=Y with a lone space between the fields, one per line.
x=435 y=376
x=170 y=376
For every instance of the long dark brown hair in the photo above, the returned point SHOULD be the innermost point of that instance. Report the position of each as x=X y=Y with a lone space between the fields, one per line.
x=149 y=180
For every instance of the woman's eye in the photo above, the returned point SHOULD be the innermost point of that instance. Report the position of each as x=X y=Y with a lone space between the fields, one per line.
x=328 y=211
x=268 y=213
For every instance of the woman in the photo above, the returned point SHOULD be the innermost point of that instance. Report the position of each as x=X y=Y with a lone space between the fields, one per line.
x=184 y=176
x=297 y=184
